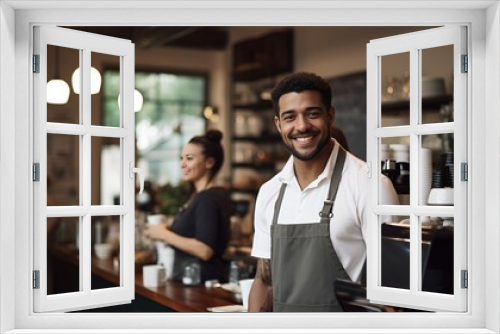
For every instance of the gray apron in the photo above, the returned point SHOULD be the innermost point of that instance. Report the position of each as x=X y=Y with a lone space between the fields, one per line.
x=304 y=264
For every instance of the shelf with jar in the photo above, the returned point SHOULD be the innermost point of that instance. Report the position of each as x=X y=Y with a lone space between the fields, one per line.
x=257 y=150
x=428 y=103
x=396 y=93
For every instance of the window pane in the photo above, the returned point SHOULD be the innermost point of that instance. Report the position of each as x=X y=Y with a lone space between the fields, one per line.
x=97 y=61
x=177 y=87
x=106 y=172
x=111 y=90
x=105 y=236
x=438 y=169
x=395 y=253
x=437 y=254
x=437 y=84
x=395 y=89
x=63 y=105
x=171 y=114
x=395 y=164
x=63 y=273
x=63 y=170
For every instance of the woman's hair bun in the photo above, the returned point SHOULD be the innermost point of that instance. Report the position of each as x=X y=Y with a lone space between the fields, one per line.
x=214 y=135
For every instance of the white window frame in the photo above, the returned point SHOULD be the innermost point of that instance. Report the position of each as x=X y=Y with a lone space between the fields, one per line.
x=86 y=44
x=414 y=44
x=483 y=292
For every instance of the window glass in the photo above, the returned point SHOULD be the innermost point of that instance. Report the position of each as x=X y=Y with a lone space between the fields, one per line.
x=97 y=60
x=63 y=170
x=437 y=85
x=437 y=169
x=171 y=113
x=105 y=236
x=395 y=253
x=437 y=254
x=62 y=102
x=395 y=89
x=63 y=276
x=395 y=164
x=106 y=171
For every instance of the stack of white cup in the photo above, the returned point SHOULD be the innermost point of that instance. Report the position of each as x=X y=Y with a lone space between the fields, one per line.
x=164 y=251
x=401 y=152
x=385 y=152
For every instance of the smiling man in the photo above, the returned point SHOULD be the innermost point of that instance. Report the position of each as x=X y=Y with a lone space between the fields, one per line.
x=310 y=219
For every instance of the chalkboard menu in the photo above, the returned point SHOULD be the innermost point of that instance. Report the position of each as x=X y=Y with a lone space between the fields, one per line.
x=349 y=99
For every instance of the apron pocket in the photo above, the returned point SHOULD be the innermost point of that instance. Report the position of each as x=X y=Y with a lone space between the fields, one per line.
x=308 y=276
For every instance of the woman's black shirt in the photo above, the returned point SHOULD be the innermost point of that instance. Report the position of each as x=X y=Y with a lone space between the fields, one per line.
x=206 y=219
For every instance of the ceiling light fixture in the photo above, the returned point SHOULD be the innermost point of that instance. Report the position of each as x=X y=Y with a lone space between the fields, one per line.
x=95 y=81
x=211 y=113
x=138 y=101
x=57 y=89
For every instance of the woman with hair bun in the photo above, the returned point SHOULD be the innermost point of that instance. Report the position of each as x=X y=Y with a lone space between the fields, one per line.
x=201 y=231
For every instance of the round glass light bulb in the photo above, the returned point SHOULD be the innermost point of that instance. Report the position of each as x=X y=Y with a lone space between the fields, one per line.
x=208 y=112
x=57 y=91
x=95 y=81
x=138 y=101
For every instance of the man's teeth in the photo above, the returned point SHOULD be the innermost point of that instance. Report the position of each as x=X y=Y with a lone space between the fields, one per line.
x=304 y=139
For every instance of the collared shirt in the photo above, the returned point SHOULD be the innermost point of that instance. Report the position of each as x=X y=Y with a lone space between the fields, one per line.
x=348 y=227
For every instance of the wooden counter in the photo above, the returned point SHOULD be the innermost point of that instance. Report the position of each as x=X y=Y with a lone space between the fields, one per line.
x=173 y=295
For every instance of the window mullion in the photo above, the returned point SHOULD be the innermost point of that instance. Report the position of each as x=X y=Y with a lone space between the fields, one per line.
x=85 y=166
x=415 y=107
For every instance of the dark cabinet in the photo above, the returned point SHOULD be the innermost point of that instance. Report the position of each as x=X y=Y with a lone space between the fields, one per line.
x=265 y=56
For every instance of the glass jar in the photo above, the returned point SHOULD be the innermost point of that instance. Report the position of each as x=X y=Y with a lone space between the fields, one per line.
x=192 y=274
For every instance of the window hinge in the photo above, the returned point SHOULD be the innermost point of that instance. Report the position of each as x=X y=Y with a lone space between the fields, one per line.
x=36 y=63
x=464 y=171
x=465 y=279
x=465 y=64
x=36 y=172
x=36 y=279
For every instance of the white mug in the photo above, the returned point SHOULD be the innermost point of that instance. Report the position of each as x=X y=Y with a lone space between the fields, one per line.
x=153 y=275
x=157 y=219
x=245 y=285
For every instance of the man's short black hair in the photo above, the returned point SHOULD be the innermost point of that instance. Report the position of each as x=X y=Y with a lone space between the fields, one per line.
x=299 y=82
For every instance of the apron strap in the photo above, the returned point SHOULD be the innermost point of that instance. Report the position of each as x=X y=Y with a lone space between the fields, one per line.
x=277 y=204
x=326 y=213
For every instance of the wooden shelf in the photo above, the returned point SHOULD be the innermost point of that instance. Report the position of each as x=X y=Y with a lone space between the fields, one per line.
x=264 y=56
x=263 y=139
x=428 y=103
x=251 y=191
x=256 y=106
x=251 y=165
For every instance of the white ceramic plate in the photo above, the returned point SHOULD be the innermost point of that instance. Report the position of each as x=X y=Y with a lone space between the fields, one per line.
x=228 y=308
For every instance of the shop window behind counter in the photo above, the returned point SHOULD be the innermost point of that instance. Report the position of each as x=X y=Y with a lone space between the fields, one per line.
x=170 y=114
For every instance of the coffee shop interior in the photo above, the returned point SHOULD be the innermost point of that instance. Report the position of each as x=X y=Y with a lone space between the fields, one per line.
x=191 y=79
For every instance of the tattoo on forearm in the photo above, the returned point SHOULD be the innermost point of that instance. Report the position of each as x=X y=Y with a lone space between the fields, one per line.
x=264 y=273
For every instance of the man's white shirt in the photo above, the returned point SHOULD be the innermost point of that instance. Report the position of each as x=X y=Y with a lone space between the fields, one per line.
x=348 y=226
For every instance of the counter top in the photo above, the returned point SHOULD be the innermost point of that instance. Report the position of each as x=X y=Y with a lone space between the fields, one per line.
x=173 y=294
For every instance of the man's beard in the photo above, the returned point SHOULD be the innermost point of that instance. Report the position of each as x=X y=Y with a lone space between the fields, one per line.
x=303 y=157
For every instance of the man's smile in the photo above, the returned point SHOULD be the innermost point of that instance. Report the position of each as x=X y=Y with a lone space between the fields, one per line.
x=304 y=139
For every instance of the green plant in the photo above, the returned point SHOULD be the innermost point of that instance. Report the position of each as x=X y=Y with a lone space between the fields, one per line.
x=172 y=198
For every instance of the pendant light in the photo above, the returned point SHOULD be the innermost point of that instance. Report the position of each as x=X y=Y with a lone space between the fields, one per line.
x=138 y=101
x=57 y=89
x=95 y=81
